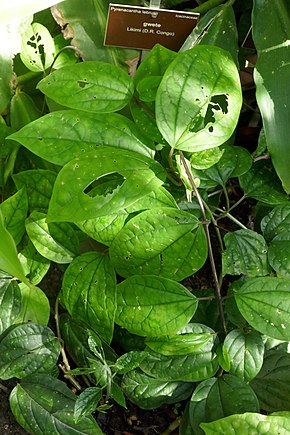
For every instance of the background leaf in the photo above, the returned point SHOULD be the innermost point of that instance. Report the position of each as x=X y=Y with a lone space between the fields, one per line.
x=278 y=254
x=10 y=303
x=35 y=305
x=34 y=264
x=276 y=222
x=14 y=210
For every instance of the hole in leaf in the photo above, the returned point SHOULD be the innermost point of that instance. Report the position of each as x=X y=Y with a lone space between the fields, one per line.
x=105 y=185
x=82 y=83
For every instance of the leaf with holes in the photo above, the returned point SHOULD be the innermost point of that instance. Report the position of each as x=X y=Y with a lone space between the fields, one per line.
x=246 y=353
x=265 y=304
x=37 y=48
x=162 y=241
x=89 y=292
x=246 y=253
x=276 y=222
x=70 y=203
x=199 y=99
x=63 y=135
x=57 y=242
x=14 y=210
x=35 y=305
x=149 y=393
x=272 y=384
x=10 y=303
x=44 y=405
x=90 y=86
x=28 y=348
x=153 y=306
x=278 y=254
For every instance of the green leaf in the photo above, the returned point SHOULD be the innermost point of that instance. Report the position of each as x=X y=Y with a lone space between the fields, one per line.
x=276 y=222
x=129 y=361
x=231 y=309
x=144 y=117
x=89 y=292
x=162 y=241
x=87 y=402
x=14 y=211
x=147 y=88
x=248 y=423
x=265 y=304
x=153 y=306
x=9 y=261
x=117 y=394
x=63 y=135
x=262 y=184
x=103 y=229
x=10 y=303
x=278 y=254
x=246 y=353
x=70 y=203
x=216 y=27
x=37 y=48
x=271 y=76
x=39 y=184
x=272 y=384
x=199 y=99
x=56 y=241
x=150 y=393
x=95 y=87
x=43 y=405
x=217 y=398
x=223 y=357
x=35 y=305
x=28 y=348
x=207 y=158
x=181 y=344
x=35 y=265
x=246 y=253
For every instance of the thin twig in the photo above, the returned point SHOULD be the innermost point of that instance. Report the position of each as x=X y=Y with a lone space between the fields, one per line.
x=174 y=425
x=5 y=389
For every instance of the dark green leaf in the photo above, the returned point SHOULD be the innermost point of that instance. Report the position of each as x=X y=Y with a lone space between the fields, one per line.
x=276 y=222
x=87 y=402
x=279 y=254
x=10 y=303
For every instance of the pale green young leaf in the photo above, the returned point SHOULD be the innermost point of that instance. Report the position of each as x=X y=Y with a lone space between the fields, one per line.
x=246 y=353
x=265 y=304
x=90 y=86
x=276 y=222
x=180 y=344
x=10 y=303
x=14 y=210
x=37 y=48
x=89 y=292
x=199 y=99
x=153 y=306
x=207 y=158
x=35 y=305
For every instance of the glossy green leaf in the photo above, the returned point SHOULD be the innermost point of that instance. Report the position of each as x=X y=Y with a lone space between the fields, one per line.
x=70 y=203
x=152 y=306
x=129 y=361
x=246 y=253
x=220 y=397
x=117 y=394
x=39 y=184
x=223 y=357
x=95 y=87
x=63 y=135
x=10 y=303
x=265 y=304
x=248 y=423
x=262 y=184
x=144 y=117
x=279 y=254
x=37 y=48
x=158 y=198
x=180 y=344
x=216 y=27
x=35 y=265
x=163 y=241
x=89 y=292
x=150 y=393
x=246 y=353
x=272 y=384
x=199 y=99
x=43 y=405
x=87 y=402
x=207 y=158
x=57 y=242
x=103 y=229
x=147 y=88
x=231 y=309
x=9 y=261
x=276 y=222
x=28 y=348
x=14 y=210
x=271 y=76
x=35 y=305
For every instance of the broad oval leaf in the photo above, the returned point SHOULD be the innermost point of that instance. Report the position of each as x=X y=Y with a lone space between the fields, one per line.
x=57 y=242
x=43 y=405
x=91 y=86
x=265 y=304
x=152 y=306
x=63 y=135
x=35 y=305
x=180 y=344
x=162 y=241
x=28 y=348
x=247 y=423
x=199 y=99
x=14 y=210
x=150 y=393
x=89 y=292
x=246 y=353
x=10 y=303
x=246 y=253
x=70 y=203
x=276 y=222
x=272 y=384
x=279 y=254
